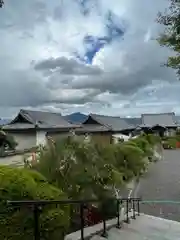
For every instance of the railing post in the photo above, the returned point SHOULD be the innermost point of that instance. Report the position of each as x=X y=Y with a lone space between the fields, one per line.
x=82 y=220
x=127 y=211
x=36 y=212
x=133 y=207
x=118 y=215
x=103 y=210
x=138 y=207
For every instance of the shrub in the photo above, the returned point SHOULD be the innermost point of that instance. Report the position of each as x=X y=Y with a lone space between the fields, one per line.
x=17 y=223
x=144 y=145
x=87 y=170
x=152 y=139
x=81 y=169
x=171 y=142
x=11 y=142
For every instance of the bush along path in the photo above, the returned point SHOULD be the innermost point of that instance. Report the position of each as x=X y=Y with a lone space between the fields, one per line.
x=70 y=169
x=17 y=223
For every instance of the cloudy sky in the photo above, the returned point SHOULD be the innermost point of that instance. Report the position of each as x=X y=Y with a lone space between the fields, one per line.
x=84 y=55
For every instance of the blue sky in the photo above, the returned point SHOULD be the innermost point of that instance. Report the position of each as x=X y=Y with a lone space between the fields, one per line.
x=84 y=55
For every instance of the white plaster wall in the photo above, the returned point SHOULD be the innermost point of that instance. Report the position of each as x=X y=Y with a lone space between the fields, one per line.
x=41 y=137
x=24 y=140
x=170 y=132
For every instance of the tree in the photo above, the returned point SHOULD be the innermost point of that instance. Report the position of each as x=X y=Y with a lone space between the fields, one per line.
x=171 y=36
x=7 y=142
x=1 y=3
x=82 y=170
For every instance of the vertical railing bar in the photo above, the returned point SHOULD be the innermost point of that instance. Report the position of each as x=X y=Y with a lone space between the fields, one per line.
x=36 y=211
x=104 y=233
x=133 y=206
x=127 y=211
x=82 y=220
x=118 y=214
x=138 y=207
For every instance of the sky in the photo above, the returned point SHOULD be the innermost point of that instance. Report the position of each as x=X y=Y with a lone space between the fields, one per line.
x=85 y=55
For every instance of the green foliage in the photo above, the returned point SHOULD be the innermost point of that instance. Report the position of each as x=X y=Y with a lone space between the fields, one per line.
x=11 y=142
x=85 y=170
x=144 y=145
x=17 y=224
x=170 y=38
x=170 y=142
x=130 y=160
x=81 y=169
x=1 y=3
x=6 y=142
x=152 y=139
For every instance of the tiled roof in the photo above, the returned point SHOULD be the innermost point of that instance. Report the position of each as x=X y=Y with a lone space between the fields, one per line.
x=41 y=120
x=19 y=126
x=163 y=119
x=113 y=123
x=90 y=128
x=132 y=121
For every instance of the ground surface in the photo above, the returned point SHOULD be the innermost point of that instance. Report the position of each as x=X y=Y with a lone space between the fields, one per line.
x=147 y=228
x=162 y=182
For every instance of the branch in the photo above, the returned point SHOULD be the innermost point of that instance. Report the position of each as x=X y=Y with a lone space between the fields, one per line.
x=1 y=3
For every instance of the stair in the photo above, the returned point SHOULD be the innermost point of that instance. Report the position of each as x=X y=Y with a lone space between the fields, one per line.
x=145 y=227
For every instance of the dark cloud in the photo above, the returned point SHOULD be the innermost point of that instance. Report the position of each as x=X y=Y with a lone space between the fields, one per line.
x=66 y=66
x=38 y=39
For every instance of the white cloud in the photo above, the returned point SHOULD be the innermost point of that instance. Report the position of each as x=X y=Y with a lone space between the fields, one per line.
x=126 y=78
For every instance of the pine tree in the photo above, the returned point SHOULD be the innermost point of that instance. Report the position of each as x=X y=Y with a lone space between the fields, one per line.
x=171 y=36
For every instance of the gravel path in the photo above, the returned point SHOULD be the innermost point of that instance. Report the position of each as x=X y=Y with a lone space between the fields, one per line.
x=162 y=182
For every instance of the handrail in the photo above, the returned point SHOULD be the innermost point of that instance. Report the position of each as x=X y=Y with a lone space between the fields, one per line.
x=38 y=204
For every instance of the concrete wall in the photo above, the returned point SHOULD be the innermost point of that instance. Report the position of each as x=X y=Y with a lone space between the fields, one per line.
x=41 y=137
x=104 y=138
x=170 y=132
x=25 y=140
x=28 y=139
x=59 y=135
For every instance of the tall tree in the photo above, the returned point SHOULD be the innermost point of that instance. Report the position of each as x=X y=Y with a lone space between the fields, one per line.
x=1 y=3
x=171 y=36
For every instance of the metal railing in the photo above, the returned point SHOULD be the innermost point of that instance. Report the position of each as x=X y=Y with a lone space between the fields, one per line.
x=129 y=204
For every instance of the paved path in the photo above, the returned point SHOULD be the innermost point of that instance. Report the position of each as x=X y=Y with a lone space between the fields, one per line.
x=162 y=182
x=147 y=228
x=14 y=160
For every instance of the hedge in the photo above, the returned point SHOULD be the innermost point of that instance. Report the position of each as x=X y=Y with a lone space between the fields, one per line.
x=17 y=223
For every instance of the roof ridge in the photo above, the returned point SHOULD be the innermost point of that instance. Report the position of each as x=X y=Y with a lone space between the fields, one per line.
x=27 y=110
x=105 y=115
x=172 y=113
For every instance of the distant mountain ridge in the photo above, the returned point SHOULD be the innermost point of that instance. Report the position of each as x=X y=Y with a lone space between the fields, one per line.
x=76 y=117
x=4 y=121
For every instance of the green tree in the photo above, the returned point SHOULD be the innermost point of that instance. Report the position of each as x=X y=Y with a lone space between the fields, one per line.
x=130 y=161
x=1 y=3
x=82 y=170
x=17 y=223
x=171 y=36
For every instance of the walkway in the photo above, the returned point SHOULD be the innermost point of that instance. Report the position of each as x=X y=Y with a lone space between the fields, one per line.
x=145 y=227
x=162 y=182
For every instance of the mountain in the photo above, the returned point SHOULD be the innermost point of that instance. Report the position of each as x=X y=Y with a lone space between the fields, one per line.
x=76 y=117
x=4 y=121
